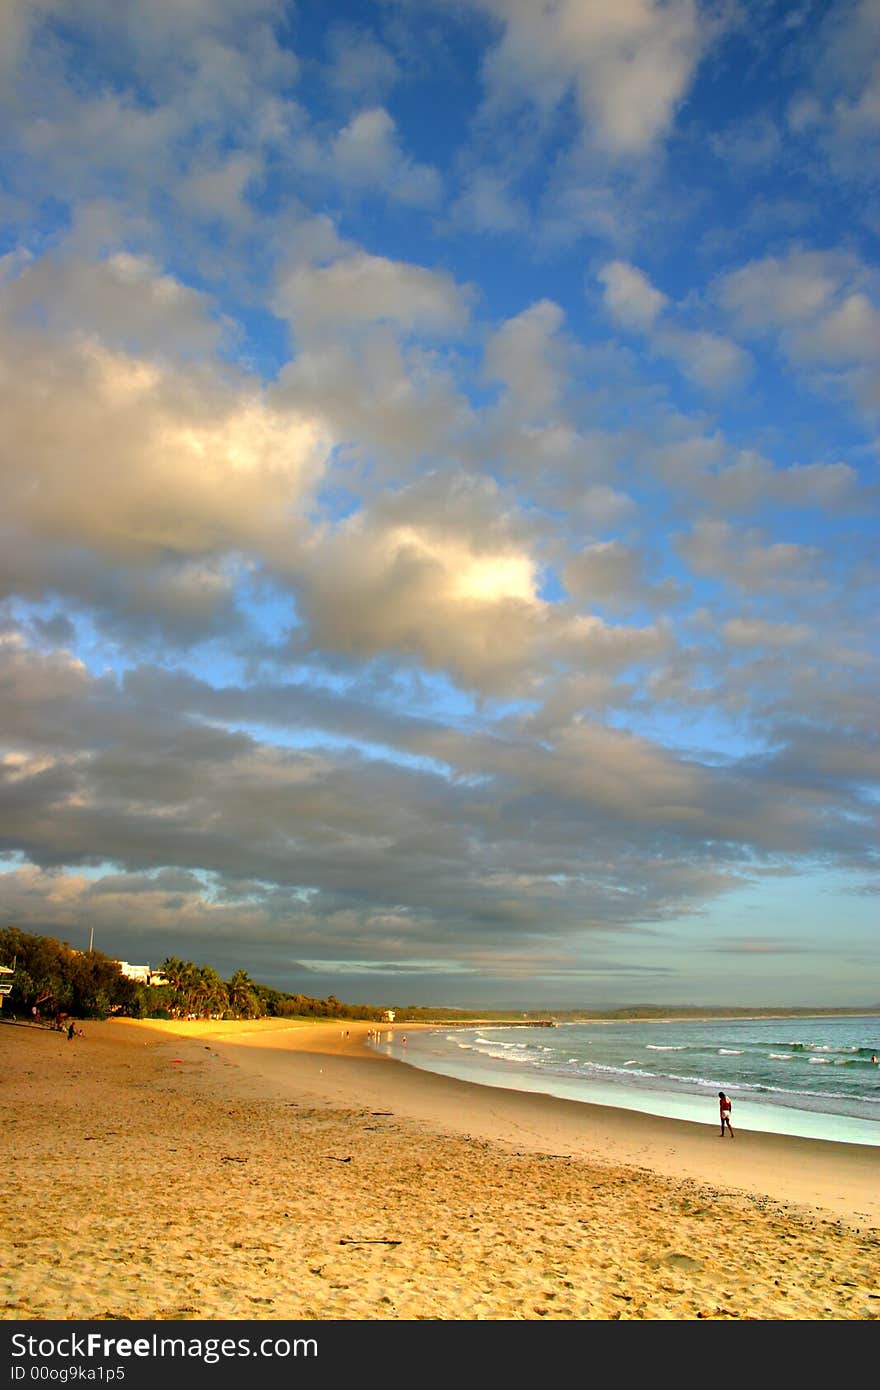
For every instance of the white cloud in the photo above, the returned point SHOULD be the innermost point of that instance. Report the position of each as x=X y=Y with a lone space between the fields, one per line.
x=366 y=154
x=444 y=573
x=612 y=575
x=437 y=595
x=758 y=632
x=124 y=299
x=392 y=404
x=822 y=310
x=156 y=459
x=848 y=333
x=630 y=298
x=180 y=118
x=743 y=480
x=361 y=67
x=602 y=508
x=839 y=107
x=359 y=288
x=219 y=188
x=780 y=292
x=489 y=204
x=17 y=19
x=708 y=359
x=742 y=557
x=629 y=64
x=528 y=355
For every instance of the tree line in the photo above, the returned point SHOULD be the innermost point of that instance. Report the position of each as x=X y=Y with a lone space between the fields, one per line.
x=56 y=979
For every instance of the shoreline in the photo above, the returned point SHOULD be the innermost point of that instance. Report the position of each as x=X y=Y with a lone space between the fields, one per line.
x=805 y=1172
x=251 y=1171
x=769 y=1110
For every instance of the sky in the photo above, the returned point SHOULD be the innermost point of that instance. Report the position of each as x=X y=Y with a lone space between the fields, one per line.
x=438 y=540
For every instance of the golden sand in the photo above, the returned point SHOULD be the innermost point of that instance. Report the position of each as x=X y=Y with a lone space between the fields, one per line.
x=284 y=1172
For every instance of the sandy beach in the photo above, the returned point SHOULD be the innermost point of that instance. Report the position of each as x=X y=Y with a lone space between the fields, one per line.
x=282 y=1171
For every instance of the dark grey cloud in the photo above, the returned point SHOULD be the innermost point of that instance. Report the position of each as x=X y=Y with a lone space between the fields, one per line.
x=495 y=841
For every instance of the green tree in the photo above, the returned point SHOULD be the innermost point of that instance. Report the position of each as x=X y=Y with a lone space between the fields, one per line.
x=211 y=994
x=244 y=1001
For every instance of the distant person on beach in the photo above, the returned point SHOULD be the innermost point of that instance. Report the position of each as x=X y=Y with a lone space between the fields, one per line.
x=71 y=1032
x=724 y=1108
x=874 y=1058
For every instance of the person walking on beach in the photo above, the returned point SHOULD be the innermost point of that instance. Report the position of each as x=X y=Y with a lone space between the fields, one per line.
x=724 y=1108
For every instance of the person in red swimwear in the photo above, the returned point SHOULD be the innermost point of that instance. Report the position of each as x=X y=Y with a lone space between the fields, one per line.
x=724 y=1108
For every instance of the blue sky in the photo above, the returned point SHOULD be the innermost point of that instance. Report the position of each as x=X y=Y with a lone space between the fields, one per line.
x=439 y=541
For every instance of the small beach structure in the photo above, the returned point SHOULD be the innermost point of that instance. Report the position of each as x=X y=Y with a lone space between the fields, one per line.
x=5 y=984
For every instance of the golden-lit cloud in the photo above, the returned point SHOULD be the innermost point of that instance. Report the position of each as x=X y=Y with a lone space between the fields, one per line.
x=132 y=458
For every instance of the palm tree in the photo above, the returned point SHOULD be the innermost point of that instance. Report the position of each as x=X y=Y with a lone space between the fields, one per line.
x=177 y=973
x=209 y=992
x=243 y=998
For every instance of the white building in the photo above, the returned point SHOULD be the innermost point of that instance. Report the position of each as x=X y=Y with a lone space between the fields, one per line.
x=142 y=973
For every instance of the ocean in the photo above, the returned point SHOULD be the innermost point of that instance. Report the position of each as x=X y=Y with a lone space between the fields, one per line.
x=805 y=1076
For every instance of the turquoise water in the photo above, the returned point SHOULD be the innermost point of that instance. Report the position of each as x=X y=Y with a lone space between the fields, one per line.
x=808 y=1076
